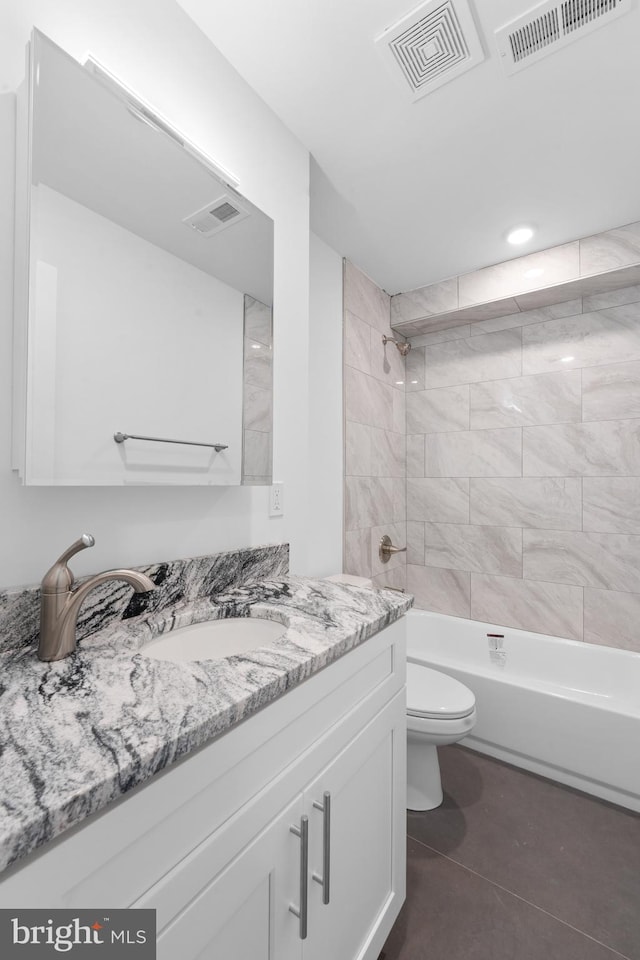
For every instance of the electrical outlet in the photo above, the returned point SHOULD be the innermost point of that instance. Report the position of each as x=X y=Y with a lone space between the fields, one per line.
x=276 y=499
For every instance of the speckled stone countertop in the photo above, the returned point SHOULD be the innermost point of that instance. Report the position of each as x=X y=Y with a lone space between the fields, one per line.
x=81 y=732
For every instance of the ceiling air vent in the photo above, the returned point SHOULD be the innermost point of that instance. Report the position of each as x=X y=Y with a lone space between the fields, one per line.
x=550 y=26
x=433 y=44
x=220 y=213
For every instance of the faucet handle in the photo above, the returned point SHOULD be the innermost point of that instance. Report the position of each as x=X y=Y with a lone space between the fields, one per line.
x=59 y=579
x=386 y=549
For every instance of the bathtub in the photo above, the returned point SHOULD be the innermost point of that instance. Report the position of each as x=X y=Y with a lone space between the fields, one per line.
x=561 y=708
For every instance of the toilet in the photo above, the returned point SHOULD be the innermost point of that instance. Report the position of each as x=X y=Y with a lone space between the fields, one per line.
x=440 y=710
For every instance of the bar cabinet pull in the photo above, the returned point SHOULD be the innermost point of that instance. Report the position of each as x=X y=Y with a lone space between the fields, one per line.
x=325 y=879
x=301 y=912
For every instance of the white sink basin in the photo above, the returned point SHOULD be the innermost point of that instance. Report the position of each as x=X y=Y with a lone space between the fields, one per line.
x=214 y=639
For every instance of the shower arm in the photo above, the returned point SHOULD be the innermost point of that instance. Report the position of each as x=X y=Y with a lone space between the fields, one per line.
x=403 y=346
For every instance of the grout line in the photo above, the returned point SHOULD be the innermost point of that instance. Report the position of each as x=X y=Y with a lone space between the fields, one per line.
x=517 y=896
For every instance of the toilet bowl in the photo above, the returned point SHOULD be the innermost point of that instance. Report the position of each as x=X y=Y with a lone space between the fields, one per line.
x=440 y=710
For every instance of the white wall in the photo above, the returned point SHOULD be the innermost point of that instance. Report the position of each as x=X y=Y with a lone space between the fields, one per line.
x=325 y=412
x=157 y=51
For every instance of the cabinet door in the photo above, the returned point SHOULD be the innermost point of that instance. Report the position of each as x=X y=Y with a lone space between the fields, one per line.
x=365 y=786
x=243 y=913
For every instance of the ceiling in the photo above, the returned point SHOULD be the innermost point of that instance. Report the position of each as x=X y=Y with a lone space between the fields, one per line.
x=414 y=192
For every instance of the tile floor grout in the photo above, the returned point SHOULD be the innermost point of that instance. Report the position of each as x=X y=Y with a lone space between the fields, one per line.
x=511 y=893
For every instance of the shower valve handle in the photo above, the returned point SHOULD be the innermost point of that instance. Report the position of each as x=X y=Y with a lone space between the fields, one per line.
x=387 y=549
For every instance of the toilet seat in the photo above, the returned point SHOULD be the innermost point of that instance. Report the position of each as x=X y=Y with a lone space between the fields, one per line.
x=434 y=695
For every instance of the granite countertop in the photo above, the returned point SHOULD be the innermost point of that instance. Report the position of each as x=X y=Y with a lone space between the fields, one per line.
x=79 y=733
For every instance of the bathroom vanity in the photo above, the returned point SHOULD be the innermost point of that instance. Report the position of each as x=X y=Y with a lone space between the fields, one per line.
x=267 y=815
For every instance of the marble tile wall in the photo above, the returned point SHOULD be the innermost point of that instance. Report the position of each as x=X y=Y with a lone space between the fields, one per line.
x=257 y=413
x=523 y=469
x=375 y=449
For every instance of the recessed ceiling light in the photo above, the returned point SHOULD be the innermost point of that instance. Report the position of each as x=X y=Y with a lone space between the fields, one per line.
x=519 y=235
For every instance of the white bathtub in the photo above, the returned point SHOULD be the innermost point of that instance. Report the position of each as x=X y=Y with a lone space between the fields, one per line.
x=561 y=708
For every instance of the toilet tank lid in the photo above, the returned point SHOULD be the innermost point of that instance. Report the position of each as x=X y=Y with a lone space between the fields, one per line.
x=351 y=580
x=434 y=694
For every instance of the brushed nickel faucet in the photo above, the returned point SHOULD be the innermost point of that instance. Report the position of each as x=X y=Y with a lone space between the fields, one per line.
x=60 y=603
x=386 y=549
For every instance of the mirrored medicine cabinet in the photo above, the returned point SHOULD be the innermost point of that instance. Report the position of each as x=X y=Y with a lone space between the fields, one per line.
x=144 y=288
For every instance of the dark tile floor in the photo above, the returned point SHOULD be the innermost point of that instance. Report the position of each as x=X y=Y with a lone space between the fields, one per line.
x=516 y=867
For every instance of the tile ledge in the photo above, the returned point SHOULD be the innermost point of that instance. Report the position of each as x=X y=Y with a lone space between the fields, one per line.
x=589 y=285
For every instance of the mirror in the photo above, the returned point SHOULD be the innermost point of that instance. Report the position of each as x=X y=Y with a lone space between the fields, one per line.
x=143 y=296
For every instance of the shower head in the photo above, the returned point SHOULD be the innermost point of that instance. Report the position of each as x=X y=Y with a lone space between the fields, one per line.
x=403 y=345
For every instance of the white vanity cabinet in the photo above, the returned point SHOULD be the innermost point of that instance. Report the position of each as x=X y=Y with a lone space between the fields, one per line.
x=243 y=912
x=213 y=842
x=360 y=784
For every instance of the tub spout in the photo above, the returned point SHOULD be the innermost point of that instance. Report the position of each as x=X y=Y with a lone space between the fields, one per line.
x=60 y=603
